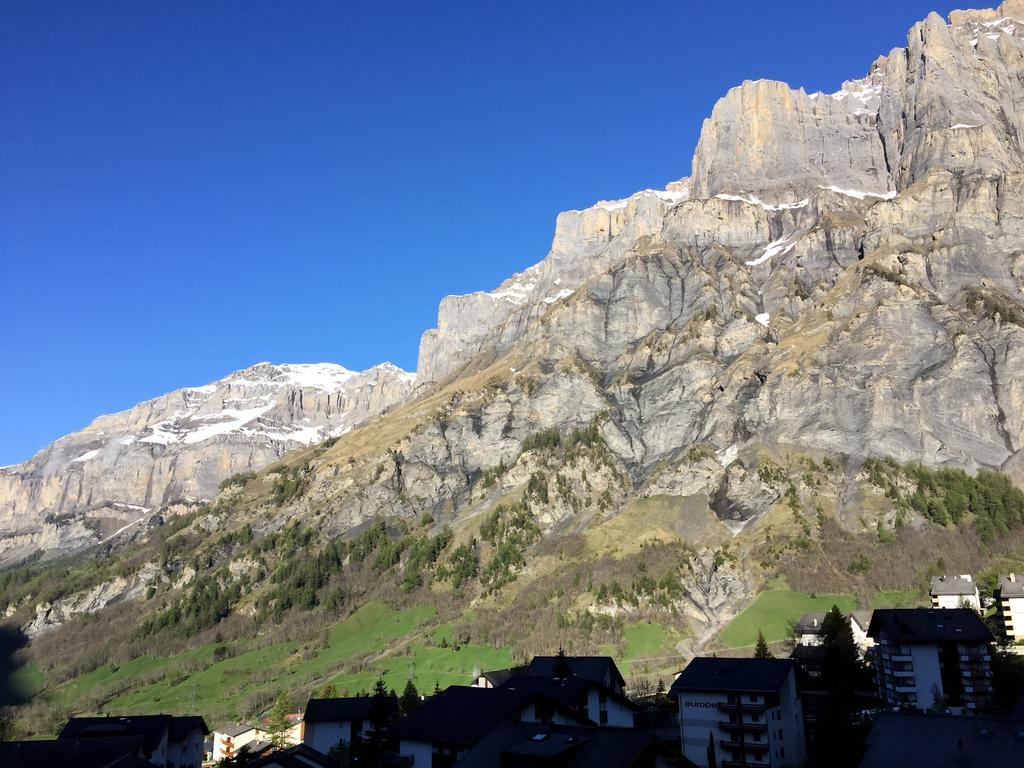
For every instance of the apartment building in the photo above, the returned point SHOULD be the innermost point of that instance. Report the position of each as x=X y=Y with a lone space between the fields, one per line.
x=929 y=658
x=741 y=712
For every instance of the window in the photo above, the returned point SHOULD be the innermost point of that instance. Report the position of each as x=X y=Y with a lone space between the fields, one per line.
x=753 y=698
x=755 y=718
x=604 y=717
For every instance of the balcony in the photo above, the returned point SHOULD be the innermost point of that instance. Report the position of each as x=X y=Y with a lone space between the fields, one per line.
x=747 y=764
x=745 y=706
x=747 y=746
x=745 y=727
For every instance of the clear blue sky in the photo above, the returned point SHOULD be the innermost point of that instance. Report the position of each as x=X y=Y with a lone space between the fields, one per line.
x=187 y=188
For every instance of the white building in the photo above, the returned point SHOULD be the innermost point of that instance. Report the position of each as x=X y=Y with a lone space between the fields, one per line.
x=955 y=592
x=742 y=711
x=927 y=658
x=228 y=739
x=808 y=629
x=1010 y=606
x=328 y=721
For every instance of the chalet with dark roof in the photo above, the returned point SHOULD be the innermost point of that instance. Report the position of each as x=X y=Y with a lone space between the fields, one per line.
x=600 y=669
x=449 y=723
x=168 y=741
x=96 y=752
x=588 y=698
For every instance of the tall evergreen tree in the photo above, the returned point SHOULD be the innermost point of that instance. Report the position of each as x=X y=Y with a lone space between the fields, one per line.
x=278 y=723
x=841 y=677
x=410 y=699
x=561 y=667
x=762 y=651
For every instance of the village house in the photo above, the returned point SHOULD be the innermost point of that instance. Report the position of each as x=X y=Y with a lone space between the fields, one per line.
x=96 y=752
x=328 y=721
x=587 y=698
x=955 y=592
x=740 y=712
x=600 y=669
x=807 y=631
x=447 y=724
x=927 y=658
x=1010 y=606
x=228 y=739
x=494 y=678
x=171 y=742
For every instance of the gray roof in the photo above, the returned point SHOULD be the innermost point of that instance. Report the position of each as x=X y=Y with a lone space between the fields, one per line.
x=235 y=729
x=810 y=623
x=941 y=741
x=1011 y=586
x=953 y=585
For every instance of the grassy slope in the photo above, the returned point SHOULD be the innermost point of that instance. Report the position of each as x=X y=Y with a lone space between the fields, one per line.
x=375 y=640
x=771 y=613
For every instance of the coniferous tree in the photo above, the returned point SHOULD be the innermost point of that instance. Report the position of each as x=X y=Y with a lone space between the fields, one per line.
x=561 y=668
x=410 y=700
x=841 y=677
x=761 y=651
x=278 y=723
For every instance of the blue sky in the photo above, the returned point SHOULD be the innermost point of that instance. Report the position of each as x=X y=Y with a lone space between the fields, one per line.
x=187 y=188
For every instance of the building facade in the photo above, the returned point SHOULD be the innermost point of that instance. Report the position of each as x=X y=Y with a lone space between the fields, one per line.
x=1010 y=606
x=932 y=659
x=955 y=592
x=740 y=712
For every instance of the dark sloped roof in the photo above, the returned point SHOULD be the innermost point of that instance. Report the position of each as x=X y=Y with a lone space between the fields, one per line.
x=940 y=741
x=590 y=667
x=150 y=727
x=714 y=674
x=567 y=691
x=530 y=744
x=58 y=753
x=338 y=709
x=181 y=726
x=129 y=761
x=929 y=625
x=810 y=623
x=499 y=676
x=299 y=756
x=462 y=714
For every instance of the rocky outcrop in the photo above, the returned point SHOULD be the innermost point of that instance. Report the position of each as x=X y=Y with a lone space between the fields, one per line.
x=842 y=273
x=95 y=483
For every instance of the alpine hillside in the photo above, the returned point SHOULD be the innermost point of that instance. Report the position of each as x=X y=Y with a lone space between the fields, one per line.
x=801 y=367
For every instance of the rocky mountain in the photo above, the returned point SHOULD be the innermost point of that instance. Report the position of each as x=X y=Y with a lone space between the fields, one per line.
x=177 y=448
x=716 y=368
x=842 y=272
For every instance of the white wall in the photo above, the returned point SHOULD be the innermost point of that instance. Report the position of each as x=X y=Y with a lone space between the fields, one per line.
x=238 y=742
x=699 y=716
x=325 y=736
x=619 y=715
x=1016 y=618
x=926 y=673
x=420 y=751
x=187 y=753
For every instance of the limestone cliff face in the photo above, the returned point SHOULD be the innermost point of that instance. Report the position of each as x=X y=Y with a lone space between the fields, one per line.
x=842 y=273
x=179 y=447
